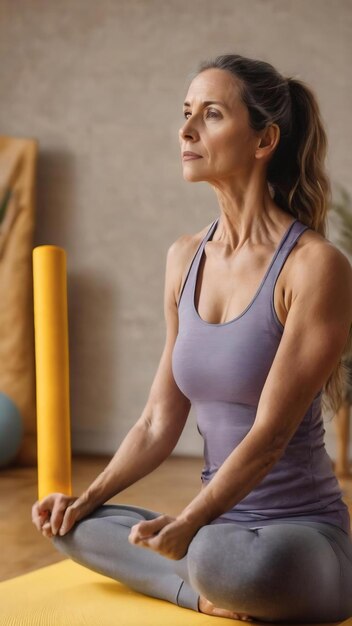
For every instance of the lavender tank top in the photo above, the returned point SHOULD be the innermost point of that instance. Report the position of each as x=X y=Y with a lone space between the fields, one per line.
x=222 y=369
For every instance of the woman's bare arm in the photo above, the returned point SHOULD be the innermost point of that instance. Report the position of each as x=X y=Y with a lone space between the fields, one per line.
x=315 y=333
x=151 y=440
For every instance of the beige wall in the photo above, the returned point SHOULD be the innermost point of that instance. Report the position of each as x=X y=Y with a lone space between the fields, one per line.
x=100 y=85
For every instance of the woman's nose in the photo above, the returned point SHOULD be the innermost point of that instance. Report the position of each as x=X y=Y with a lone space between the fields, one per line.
x=186 y=130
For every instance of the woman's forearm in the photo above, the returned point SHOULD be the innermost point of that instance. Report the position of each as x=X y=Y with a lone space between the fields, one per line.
x=142 y=450
x=243 y=469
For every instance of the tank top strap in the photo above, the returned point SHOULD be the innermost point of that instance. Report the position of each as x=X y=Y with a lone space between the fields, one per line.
x=287 y=244
x=186 y=294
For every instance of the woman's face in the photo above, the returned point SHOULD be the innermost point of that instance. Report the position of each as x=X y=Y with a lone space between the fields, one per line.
x=219 y=132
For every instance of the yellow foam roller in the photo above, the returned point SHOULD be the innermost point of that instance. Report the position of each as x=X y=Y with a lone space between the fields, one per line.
x=52 y=370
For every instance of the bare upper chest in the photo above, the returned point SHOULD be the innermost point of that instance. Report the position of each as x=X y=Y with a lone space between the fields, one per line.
x=227 y=285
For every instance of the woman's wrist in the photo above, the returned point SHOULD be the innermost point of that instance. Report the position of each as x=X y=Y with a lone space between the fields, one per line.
x=199 y=512
x=99 y=491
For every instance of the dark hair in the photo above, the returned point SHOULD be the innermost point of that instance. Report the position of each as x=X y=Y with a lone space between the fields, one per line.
x=296 y=172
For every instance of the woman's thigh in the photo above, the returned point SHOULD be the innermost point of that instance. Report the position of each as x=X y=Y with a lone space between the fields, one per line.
x=100 y=542
x=282 y=571
x=100 y=539
x=113 y=510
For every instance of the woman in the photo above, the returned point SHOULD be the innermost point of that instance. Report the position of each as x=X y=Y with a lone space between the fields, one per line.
x=258 y=310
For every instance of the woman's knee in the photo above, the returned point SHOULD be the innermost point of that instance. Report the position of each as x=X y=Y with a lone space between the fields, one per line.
x=217 y=561
x=96 y=533
x=88 y=535
x=233 y=561
x=88 y=531
x=75 y=540
x=60 y=543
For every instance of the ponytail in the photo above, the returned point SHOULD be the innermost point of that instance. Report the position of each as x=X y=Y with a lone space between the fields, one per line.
x=297 y=170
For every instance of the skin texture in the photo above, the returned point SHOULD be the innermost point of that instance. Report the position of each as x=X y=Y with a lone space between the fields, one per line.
x=233 y=161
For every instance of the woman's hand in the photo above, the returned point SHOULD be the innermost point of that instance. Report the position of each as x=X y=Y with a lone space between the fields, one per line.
x=57 y=513
x=166 y=535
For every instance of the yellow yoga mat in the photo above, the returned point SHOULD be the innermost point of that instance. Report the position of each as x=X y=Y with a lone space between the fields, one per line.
x=68 y=594
x=52 y=370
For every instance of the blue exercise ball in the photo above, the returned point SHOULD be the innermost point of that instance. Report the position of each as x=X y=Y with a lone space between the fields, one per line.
x=11 y=430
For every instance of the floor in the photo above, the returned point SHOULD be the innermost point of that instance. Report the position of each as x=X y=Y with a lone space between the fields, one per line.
x=24 y=549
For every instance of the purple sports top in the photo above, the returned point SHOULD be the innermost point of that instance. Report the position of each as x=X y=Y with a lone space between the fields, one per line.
x=222 y=369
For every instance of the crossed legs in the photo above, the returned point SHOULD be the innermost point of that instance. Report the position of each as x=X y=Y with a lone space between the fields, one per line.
x=274 y=573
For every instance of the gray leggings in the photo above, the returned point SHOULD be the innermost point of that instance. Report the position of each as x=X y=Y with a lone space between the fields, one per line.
x=284 y=571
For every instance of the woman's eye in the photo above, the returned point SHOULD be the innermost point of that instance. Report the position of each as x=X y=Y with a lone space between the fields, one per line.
x=212 y=114
x=209 y=114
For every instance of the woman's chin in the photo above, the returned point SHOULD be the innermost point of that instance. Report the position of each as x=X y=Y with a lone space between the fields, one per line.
x=192 y=177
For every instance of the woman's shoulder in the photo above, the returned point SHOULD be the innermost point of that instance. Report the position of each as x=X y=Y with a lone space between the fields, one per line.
x=187 y=242
x=313 y=248
x=316 y=258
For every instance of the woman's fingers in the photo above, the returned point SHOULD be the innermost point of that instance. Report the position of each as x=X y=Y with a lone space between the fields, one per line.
x=61 y=511
x=46 y=530
x=62 y=515
x=139 y=532
x=40 y=512
x=78 y=508
x=148 y=528
x=68 y=520
x=48 y=514
x=41 y=518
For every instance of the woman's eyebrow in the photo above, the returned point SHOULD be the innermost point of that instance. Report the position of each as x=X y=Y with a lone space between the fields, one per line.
x=206 y=102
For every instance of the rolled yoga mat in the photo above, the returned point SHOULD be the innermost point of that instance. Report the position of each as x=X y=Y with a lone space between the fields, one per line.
x=52 y=370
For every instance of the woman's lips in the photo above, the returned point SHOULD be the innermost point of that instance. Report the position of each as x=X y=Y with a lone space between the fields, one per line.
x=188 y=157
